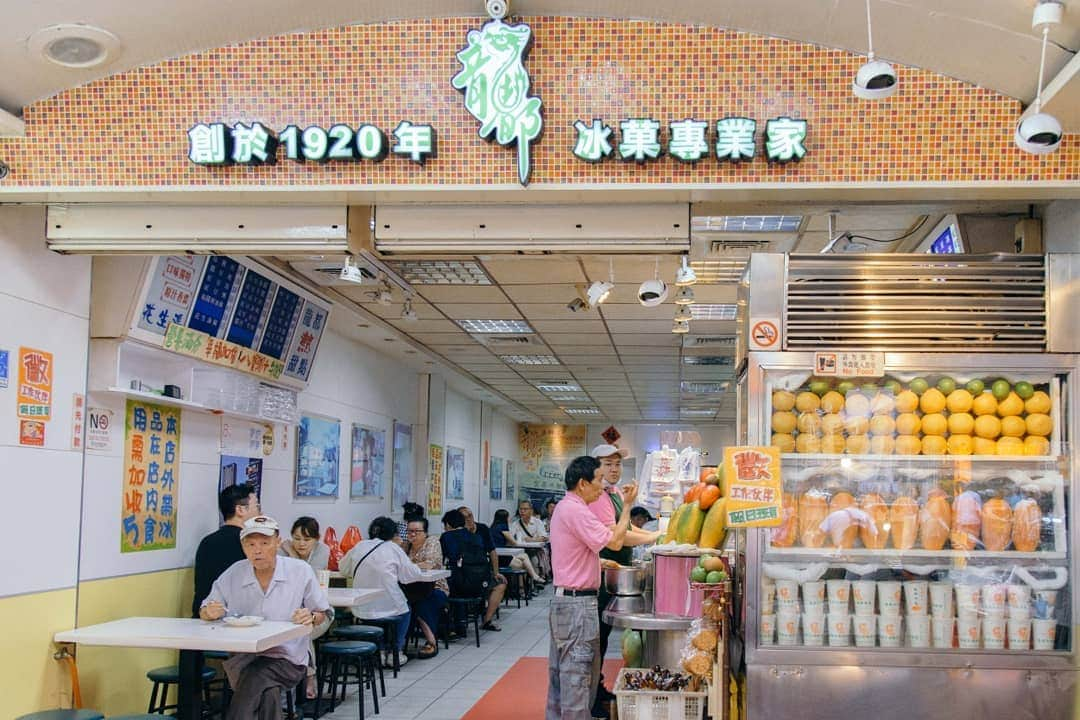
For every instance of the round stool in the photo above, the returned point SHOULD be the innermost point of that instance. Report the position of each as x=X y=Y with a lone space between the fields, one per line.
x=136 y=717
x=462 y=610
x=163 y=677
x=517 y=579
x=388 y=626
x=63 y=715
x=337 y=658
x=367 y=633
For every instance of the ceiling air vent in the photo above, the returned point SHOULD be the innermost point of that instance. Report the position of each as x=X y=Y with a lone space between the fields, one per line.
x=698 y=341
x=516 y=342
x=733 y=246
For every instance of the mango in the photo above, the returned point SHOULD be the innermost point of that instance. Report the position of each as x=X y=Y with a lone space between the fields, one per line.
x=714 y=529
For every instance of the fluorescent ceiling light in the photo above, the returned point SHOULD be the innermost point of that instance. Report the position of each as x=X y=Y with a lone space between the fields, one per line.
x=703 y=388
x=581 y=411
x=708 y=360
x=441 y=272
x=529 y=359
x=698 y=412
x=713 y=312
x=495 y=326
x=558 y=387
x=719 y=271
x=750 y=223
x=569 y=398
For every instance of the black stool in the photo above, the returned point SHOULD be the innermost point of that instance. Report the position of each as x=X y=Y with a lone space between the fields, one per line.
x=389 y=629
x=163 y=677
x=462 y=610
x=63 y=715
x=519 y=581
x=367 y=633
x=337 y=657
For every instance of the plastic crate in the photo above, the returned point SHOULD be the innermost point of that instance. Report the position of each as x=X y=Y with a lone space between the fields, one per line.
x=657 y=705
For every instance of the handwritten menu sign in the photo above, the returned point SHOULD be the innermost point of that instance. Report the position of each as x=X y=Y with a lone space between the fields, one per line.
x=752 y=486
x=220 y=352
x=34 y=400
x=171 y=293
x=151 y=477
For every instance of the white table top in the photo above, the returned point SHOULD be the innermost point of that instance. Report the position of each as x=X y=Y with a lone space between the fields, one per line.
x=349 y=597
x=433 y=575
x=509 y=551
x=532 y=544
x=184 y=634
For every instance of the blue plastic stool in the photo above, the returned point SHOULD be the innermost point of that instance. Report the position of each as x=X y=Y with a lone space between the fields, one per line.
x=63 y=715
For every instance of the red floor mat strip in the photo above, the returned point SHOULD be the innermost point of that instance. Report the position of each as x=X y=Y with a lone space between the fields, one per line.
x=522 y=692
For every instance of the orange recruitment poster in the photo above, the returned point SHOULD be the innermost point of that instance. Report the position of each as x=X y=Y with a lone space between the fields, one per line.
x=752 y=486
x=151 y=484
x=35 y=384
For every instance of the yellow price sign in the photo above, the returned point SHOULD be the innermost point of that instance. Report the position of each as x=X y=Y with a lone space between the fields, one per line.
x=752 y=486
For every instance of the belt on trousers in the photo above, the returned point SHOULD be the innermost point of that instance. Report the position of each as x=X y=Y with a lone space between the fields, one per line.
x=569 y=592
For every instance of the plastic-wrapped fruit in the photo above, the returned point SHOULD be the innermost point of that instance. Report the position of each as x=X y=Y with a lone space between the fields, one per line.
x=984 y=404
x=857 y=405
x=807 y=444
x=882 y=425
x=988 y=426
x=959 y=401
x=833 y=444
x=875 y=533
x=856 y=425
x=832 y=424
x=1011 y=405
x=809 y=422
x=983 y=446
x=832 y=402
x=933 y=445
x=961 y=423
x=960 y=445
x=807 y=402
x=907 y=401
x=813 y=509
x=784 y=422
x=934 y=424
x=882 y=445
x=845 y=538
x=932 y=401
x=967 y=521
x=1039 y=424
x=1039 y=402
x=904 y=522
x=1010 y=446
x=785 y=534
x=783 y=400
x=1036 y=446
x=908 y=445
x=996 y=524
x=784 y=441
x=1027 y=525
x=882 y=404
x=935 y=520
x=908 y=424
x=857 y=444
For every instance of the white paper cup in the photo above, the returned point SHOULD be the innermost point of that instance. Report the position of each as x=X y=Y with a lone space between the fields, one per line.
x=839 y=591
x=839 y=629
x=941 y=599
x=838 y=608
x=1019 y=632
x=888 y=596
x=1044 y=603
x=787 y=595
x=865 y=627
x=813 y=630
x=915 y=597
x=890 y=631
x=994 y=596
x=813 y=597
x=767 y=629
x=1042 y=633
x=918 y=631
x=323 y=577
x=968 y=628
x=863 y=591
x=942 y=627
x=768 y=597
x=967 y=599
x=787 y=628
x=994 y=632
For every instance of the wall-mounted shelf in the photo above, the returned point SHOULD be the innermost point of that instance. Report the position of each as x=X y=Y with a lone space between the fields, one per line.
x=186 y=404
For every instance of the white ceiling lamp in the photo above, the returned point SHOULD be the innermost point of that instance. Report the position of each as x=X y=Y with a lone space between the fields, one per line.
x=685 y=296
x=407 y=313
x=351 y=272
x=686 y=275
x=653 y=292
x=683 y=314
x=74 y=46
x=876 y=79
x=1040 y=133
x=680 y=328
x=598 y=292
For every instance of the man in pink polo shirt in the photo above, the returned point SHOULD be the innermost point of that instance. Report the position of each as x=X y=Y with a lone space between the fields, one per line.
x=577 y=537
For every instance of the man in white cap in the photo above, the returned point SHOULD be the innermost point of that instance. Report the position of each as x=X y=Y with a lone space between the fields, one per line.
x=607 y=508
x=275 y=588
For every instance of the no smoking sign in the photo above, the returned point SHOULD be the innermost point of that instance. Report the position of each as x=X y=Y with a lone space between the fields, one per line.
x=764 y=334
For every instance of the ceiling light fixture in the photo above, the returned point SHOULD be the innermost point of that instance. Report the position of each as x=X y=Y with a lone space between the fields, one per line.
x=351 y=272
x=558 y=387
x=74 y=46
x=598 y=292
x=686 y=275
x=581 y=411
x=529 y=359
x=441 y=272
x=750 y=223
x=713 y=311
x=407 y=313
x=684 y=296
x=683 y=314
x=490 y=327
x=875 y=80
x=653 y=292
x=1040 y=133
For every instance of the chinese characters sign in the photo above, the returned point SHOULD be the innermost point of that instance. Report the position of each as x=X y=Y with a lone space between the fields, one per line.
x=849 y=364
x=435 y=480
x=689 y=141
x=496 y=87
x=752 y=486
x=35 y=384
x=254 y=144
x=220 y=352
x=151 y=484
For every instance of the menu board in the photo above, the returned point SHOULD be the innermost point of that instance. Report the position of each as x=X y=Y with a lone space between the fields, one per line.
x=234 y=301
x=218 y=285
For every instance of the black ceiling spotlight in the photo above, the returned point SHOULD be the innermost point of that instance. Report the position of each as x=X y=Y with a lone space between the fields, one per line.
x=876 y=79
x=1040 y=133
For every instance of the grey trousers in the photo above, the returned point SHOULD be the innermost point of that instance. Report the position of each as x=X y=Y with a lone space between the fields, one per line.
x=257 y=682
x=574 y=659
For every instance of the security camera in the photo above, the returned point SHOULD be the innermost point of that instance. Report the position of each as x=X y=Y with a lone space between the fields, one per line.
x=1038 y=134
x=576 y=305
x=652 y=292
x=497 y=9
x=4 y=169
x=875 y=80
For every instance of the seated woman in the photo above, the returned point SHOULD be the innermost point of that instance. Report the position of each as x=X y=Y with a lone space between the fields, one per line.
x=527 y=528
x=426 y=552
x=304 y=545
x=379 y=562
x=501 y=537
x=549 y=509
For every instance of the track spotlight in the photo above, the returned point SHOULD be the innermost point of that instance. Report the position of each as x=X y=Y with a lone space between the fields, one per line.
x=680 y=328
x=683 y=314
x=1040 y=133
x=653 y=292
x=407 y=313
x=598 y=292
x=350 y=272
x=684 y=296
x=686 y=275
x=876 y=79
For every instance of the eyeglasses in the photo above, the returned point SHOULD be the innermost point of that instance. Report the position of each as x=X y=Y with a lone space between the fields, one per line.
x=413 y=532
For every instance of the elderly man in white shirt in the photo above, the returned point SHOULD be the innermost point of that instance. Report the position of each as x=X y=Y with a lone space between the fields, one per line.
x=527 y=528
x=275 y=588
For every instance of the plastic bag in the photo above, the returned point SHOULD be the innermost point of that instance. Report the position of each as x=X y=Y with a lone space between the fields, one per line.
x=331 y=541
x=699 y=651
x=350 y=539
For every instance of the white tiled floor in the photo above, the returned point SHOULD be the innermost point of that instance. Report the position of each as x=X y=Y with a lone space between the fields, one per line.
x=446 y=686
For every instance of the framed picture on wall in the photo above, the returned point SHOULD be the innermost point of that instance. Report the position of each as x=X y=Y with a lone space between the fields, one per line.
x=455 y=473
x=495 y=475
x=368 y=463
x=403 y=466
x=318 y=452
x=511 y=482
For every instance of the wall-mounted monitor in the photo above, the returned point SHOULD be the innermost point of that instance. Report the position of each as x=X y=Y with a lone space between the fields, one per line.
x=943 y=239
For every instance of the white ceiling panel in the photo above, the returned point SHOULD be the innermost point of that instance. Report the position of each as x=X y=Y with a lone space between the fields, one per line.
x=447 y=338
x=575 y=323
x=419 y=327
x=553 y=311
x=633 y=269
x=541 y=293
x=637 y=311
x=655 y=351
x=582 y=340
x=620 y=328
x=461 y=293
x=534 y=271
x=716 y=294
x=482 y=311
x=624 y=340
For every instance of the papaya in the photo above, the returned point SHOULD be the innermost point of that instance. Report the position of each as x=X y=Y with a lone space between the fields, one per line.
x=714 y=530
x=673 y=523
x=632 y=648
x=691 y=523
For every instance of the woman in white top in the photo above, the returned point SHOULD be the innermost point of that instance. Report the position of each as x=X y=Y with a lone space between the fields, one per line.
x=527 y=528
x=381 y=563
x=304 y=544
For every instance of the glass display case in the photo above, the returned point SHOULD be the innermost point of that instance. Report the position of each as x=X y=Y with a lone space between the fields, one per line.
x=925 y=538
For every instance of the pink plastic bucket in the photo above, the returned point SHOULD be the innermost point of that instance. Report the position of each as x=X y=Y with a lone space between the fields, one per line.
x=671 y=586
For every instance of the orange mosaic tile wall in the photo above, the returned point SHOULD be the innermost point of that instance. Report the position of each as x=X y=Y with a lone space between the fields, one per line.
x=131 y=129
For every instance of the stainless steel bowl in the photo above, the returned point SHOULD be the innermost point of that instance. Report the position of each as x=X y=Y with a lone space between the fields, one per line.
x=624 y=580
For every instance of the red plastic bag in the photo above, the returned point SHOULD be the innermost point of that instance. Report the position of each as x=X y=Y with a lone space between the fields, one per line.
x=350 y=539
x=330 y=538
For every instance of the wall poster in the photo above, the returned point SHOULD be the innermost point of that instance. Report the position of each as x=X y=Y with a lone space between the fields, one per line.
x=495 y=475
x=435 y=480
x=546 y=450
x=455 y=473
x=237 y=470
x=151 y=477
x=318 y=450
x=511 y=481
x=368 y=463
x=403 y=465
x=35 y=384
